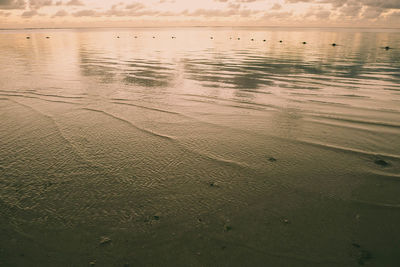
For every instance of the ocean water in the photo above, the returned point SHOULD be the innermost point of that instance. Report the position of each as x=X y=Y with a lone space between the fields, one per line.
x=200 y=147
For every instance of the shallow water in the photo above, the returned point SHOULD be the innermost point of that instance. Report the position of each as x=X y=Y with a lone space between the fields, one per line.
x=200 y=151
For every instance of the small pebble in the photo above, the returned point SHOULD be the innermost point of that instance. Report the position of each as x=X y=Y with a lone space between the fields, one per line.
x=272 y=159
x=105 y=240
x=214 y=184
x=227 y=227
x=381 y=162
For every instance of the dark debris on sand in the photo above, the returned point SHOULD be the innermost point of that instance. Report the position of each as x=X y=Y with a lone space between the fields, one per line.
x=381 y=162
x=363 y=255
x=227 y=228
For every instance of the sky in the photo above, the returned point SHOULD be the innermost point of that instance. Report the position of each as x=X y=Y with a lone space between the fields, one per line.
x=139 y=13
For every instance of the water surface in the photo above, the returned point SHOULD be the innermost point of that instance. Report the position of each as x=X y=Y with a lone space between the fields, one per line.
x=199 y=147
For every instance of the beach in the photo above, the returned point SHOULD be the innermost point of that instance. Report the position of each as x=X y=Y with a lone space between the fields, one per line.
x=200 y=147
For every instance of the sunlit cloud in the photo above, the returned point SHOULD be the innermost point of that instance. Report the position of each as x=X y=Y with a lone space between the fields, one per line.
x=27 y=13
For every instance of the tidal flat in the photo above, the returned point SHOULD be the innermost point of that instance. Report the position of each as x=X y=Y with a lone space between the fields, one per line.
x=200 y=147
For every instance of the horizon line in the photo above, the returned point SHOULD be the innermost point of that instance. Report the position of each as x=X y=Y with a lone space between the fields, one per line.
x=201 y=26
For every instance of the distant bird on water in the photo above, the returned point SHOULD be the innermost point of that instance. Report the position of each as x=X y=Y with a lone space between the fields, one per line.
x=135 y=37
x=118 y=37
x=154 y=37
x=334 y=44
x=264 y=40
x=252 y=39
x=280 y=41
x=28 y=37
x=211 y=37
x=304 y=42
x=386 y=47
x=238 y=38
x=47 y=37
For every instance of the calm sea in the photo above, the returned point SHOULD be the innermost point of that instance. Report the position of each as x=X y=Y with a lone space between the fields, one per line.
x=200 y=147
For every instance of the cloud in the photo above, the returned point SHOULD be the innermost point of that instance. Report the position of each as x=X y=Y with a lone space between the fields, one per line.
x=385 y=4
x=74 y=3
x=37 y=4
x=4 y=14
x=60 y=13
x=29 y=14
x=222 y=12
x=12 y=4
x=86 y=13
x=276 y=6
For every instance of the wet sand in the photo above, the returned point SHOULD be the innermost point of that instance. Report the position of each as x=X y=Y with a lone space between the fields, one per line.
x=192 y=151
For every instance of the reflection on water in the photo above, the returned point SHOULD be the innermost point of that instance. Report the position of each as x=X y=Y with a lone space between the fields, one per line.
x=213 y=148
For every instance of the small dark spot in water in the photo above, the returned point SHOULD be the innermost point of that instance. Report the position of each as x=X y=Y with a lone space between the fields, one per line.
x=381 y=162
x=199 y=219
x=238 y=38
x=252 y=39
x=333 y=44
x=304 y=42
x=387 y=47
x=223 y=247
x=118 y=37
x=264 y=40
x=281 y=41
x=154 y=37
x=28 y=37
x=272 y=159
x=355 y=245
x=126 y=265
x=22 y=255
x=47 y=37
x=211 y=37
x=156 y=217
x=135 y=36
